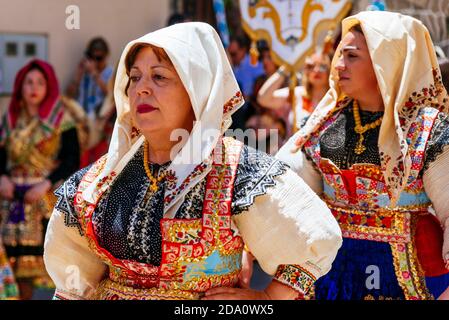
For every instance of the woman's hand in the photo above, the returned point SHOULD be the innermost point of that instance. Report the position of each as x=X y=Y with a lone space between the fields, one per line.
x=274 y=291
x=247 y=270
x=6 y=188
x=226 y=293
x=89 y=66
x=444 y=295
x=37 y=191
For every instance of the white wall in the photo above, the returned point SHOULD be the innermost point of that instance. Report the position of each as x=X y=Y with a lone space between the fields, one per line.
x=118 y=21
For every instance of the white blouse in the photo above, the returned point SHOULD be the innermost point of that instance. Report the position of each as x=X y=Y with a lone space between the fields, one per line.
x=289 y=224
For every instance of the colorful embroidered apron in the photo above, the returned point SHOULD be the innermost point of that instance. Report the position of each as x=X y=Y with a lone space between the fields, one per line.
x=197 y=254
x=359 y=200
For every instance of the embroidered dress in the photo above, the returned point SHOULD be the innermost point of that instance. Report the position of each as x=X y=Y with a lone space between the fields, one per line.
x=395 y=236
x=404 y=242
x=32 y=150
x=131 y=241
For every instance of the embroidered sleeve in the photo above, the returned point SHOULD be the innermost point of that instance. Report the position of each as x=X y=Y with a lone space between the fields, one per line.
x=255 y=173
x=297 y=278
x=291 y=226
x=65 y=295
x=74 y=267
x=436 y=185
x=439 y=139
x=66 y=194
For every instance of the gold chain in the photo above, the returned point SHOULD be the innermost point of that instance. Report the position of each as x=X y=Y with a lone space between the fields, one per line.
x=360 y=148
x=153 y=181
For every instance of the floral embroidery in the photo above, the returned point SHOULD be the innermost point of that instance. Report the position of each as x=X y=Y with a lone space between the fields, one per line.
x=295 y=277
x=408 y=271
x=232 y=103
x=199 y=170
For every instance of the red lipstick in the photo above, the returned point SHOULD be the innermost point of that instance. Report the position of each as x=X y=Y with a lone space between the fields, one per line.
x=145 y=108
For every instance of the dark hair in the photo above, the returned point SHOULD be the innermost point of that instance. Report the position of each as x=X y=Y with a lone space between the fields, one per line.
x=134 y=51
x=175 y=18
x=242 y=41
x=357 y=28
x=97 y=43
x=262 y=47
x=37 y=67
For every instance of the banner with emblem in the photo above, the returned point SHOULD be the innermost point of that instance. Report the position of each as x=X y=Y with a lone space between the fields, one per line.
x=291 y=27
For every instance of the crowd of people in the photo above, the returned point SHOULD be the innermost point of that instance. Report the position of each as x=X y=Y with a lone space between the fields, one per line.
x=89 y=178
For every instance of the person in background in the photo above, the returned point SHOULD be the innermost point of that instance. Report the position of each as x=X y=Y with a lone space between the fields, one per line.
x=246 y=75
x=265 y=123
x=89 y=87
x=97 y=132
x=178 y=18
x=274 y=94
x=39 y=148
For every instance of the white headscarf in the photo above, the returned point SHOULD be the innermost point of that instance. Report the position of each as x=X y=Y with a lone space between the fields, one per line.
x=408 y=76
x=200 y=60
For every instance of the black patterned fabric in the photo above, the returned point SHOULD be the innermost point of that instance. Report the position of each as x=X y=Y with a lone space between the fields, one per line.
x=127 y=218
x=439 y=138
x=338 y=142
x=65 y=194
x=255 y=173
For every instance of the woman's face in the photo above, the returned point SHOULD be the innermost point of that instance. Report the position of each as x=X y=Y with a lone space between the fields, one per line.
x=99 y=57
x=159 y=102
x=355 y=70
x=268 y=64
x=317 y=70
x=34 y=88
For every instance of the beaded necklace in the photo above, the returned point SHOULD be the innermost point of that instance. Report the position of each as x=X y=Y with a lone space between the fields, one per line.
x=360 y=148
x=153 y=181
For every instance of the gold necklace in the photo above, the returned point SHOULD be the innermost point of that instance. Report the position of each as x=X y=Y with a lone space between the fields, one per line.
x=360 y=148
x=153 y=181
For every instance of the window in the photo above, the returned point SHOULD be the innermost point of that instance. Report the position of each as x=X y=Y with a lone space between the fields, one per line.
x=15 y=51
x=11 y=49
x=30 y=49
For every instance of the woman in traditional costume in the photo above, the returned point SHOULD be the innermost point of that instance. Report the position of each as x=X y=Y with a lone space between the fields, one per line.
x=38 y=150
x=312 y=89
x=375 y=151
x=166 y=214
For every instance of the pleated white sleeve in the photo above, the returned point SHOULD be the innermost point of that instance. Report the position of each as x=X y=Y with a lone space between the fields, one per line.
x=436 y=185
x=74 y=268
x=291 y=232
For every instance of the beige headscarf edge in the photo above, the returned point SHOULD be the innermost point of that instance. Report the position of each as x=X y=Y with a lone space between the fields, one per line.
x=200 y=60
